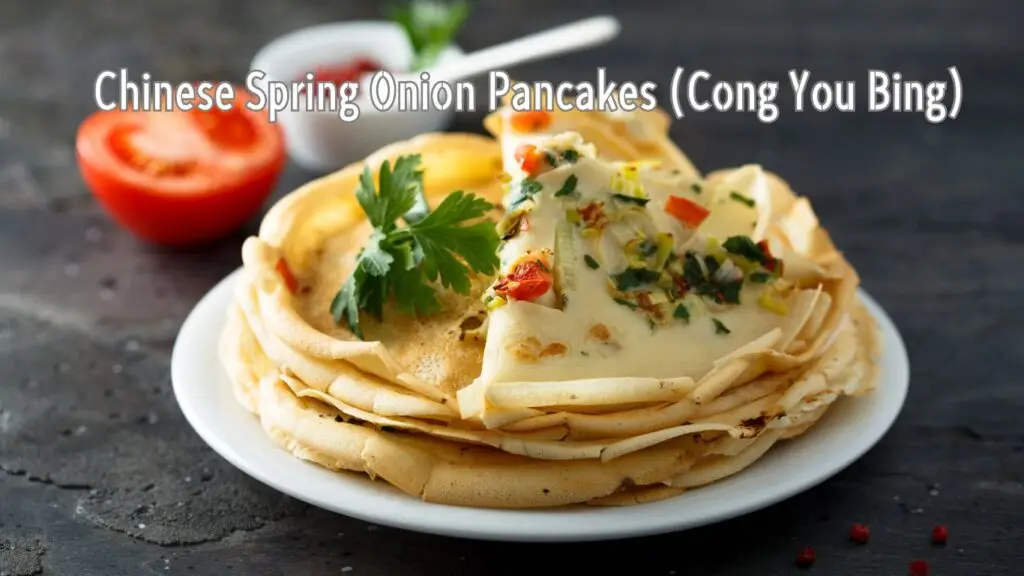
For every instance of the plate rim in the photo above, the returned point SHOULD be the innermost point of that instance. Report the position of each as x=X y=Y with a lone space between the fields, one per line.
x=893 y=349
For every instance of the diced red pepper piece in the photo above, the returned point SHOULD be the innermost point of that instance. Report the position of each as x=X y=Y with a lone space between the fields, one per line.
x=940 y=534
x=531 y=160
x=918 y=568
x=286 y=274
x=689 y=213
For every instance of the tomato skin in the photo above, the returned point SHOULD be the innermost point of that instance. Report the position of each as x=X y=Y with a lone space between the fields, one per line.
x=528 y=280
x=163 y=209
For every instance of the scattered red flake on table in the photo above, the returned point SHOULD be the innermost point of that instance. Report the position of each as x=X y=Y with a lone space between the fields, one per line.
x=918 y=568
x=859 y=533
x=805 y=558
x=939 y=534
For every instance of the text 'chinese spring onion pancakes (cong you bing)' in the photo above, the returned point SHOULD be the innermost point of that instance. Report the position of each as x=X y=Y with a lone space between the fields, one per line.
x=566 y=313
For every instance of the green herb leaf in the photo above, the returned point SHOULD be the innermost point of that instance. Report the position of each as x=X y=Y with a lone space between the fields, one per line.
x=527 y=188
x=696 y=188
x=591 y=263
x=631 y=199
x=719 y=327
x=742 y=199
x=403 y=262
x=444 y=238
x=760 y=277
x=711 y=263
x=374 y=258
x=730 y=292
x=570 y=155
x=693 y=273
x=633 y=278
x=430 y=26
x=569 y=187
x=745 y=247
x=627 y=303
x=681 y=313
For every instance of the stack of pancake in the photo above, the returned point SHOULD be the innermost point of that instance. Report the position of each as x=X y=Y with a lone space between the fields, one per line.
x=465 y=407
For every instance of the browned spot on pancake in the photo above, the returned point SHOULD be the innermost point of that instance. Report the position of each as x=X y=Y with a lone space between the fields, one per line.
x=600 y=332
x=554 y=349
x=526 y=350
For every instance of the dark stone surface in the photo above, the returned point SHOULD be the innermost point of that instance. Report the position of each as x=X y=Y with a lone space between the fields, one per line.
x=102 y=475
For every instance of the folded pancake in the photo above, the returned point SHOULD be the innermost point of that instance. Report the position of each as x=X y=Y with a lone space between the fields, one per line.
x=621 y=136
x=626 y=283
x=313 y=236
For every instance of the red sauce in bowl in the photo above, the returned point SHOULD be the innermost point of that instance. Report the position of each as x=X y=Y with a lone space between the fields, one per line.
x=350 y=71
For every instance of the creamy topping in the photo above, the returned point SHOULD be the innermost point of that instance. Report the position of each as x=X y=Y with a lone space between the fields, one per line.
x=624 y=269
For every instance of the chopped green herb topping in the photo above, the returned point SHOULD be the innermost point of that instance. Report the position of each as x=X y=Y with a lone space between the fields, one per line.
x=527 y=188
x=681 y=313
x=591 y=263
x=569 y=187
x=627 y=303
x=692 y=271
x=742 y=199
x=571 y=155
x=730 y=292
x=696 y=188
x=633 y=278
x=719 y=327
x=745 y=247
x=631 y=199
x=711 y=263
x=760 y=277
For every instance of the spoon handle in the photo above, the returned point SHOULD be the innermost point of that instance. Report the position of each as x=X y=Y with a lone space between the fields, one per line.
x=559 y=40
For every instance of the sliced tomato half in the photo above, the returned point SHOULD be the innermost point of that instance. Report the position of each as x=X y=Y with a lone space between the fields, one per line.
x=181 y=177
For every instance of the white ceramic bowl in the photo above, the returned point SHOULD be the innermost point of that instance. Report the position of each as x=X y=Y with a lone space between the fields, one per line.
x=321 y=140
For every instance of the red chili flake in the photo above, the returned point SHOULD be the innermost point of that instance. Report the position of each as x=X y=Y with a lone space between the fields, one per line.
x=680 y=286
x=593 y=215
x=918 y=568
x=859 y=533
x=806 y=557
x=940 y=534
x=286 y=274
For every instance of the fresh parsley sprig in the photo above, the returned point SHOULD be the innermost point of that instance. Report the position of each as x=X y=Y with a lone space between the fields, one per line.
x=405 y=261
x=431 y=26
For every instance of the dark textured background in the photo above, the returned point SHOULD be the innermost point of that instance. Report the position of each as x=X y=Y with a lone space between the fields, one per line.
x=102 y=476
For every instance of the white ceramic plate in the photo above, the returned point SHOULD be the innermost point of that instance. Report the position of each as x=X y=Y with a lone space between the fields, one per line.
x=844 y=434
